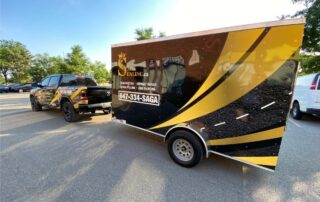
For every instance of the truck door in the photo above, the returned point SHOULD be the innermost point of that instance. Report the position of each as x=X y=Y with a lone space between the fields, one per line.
x=51 y=90
x=41 y=93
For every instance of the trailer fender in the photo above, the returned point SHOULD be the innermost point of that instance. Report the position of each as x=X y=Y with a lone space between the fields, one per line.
x=193 y=131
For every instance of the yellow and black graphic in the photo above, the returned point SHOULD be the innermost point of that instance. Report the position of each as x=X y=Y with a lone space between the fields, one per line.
x=258 y=63
x=237 y=86
x=73 y=94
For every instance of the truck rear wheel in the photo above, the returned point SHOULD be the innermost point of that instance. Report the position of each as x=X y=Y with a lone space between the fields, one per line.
x=296 y=113
x=70 y=114
x=35 y=105
x=185 y=149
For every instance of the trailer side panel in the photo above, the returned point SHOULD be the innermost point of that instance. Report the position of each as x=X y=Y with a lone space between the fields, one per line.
x=234 y=87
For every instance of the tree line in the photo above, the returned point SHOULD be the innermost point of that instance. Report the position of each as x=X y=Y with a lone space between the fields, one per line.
x=18 y=65
x=310 y=55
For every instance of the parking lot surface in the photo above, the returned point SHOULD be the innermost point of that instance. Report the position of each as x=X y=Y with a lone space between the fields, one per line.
x=43 y=158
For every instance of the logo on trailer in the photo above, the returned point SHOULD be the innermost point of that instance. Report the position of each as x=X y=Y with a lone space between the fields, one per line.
x=122 y=63
x=130 y=68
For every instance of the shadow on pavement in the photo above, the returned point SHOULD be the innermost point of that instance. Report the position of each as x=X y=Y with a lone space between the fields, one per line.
x=52 y=160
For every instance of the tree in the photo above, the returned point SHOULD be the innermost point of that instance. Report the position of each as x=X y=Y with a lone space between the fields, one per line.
x=311 y=39
x=162 y=34
x=37 y=73
x=144 y=33
x=310 y=58
x=109 y=76
x=58 y=65
x=76 y=62
x=310 y=64
x=39 y=66
x=147 y=33
x=14 y=59
x=99 y=72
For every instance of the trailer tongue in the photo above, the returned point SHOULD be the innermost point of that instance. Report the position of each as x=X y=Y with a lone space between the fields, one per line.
x=224 y=91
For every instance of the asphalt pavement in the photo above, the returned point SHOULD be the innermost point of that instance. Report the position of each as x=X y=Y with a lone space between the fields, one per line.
x=43 y=158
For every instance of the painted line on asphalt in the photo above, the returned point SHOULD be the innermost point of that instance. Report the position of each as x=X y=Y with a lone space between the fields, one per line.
x=55 y=131
x=295 y=123
x=4 y=135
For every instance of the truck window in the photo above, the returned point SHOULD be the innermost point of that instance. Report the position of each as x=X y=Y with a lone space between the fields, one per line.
x=45 y=82
x=67 y=80
x=54 y=81
x=72 y=80
x=89 y=82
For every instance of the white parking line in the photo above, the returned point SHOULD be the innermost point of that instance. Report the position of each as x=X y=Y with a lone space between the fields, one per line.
x=240 y=117
x=218 y=124
x=53 y=131
x=295 y=123
x=268 y=105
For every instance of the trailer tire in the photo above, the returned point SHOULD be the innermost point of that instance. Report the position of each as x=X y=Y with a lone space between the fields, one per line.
x=185 y=148
x=296 y=113
x=70 y=114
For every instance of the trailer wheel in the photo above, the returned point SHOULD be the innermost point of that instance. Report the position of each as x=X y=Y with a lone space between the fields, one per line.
x=70 y=114
x=296 y=113
x=185 y=149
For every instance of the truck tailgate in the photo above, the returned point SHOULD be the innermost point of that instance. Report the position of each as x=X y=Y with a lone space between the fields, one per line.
x=99 y=94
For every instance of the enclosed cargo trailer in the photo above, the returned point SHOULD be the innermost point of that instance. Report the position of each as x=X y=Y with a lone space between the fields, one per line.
x=224 y=91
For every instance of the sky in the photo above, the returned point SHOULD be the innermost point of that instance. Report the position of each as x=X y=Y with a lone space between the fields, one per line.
x=54 y=26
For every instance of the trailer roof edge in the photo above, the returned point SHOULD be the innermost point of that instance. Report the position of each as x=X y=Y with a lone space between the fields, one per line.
x=216 y=31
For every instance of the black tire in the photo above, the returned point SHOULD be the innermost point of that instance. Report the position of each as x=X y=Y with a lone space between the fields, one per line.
x=70 y=114
x=93 y=111
x=35 y=105
x=185 y=148
x=296 y=113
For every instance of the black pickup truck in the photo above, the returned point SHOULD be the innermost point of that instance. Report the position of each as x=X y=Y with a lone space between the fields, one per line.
x=72 y=94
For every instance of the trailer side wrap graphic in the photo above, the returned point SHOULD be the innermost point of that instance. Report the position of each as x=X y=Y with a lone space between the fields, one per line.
x=235 y=87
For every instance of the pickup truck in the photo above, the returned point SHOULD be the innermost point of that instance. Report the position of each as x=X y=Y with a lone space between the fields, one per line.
x=71 y=94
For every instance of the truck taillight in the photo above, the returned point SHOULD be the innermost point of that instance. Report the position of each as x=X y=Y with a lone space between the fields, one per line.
x=83 y=95
x=314 y=84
